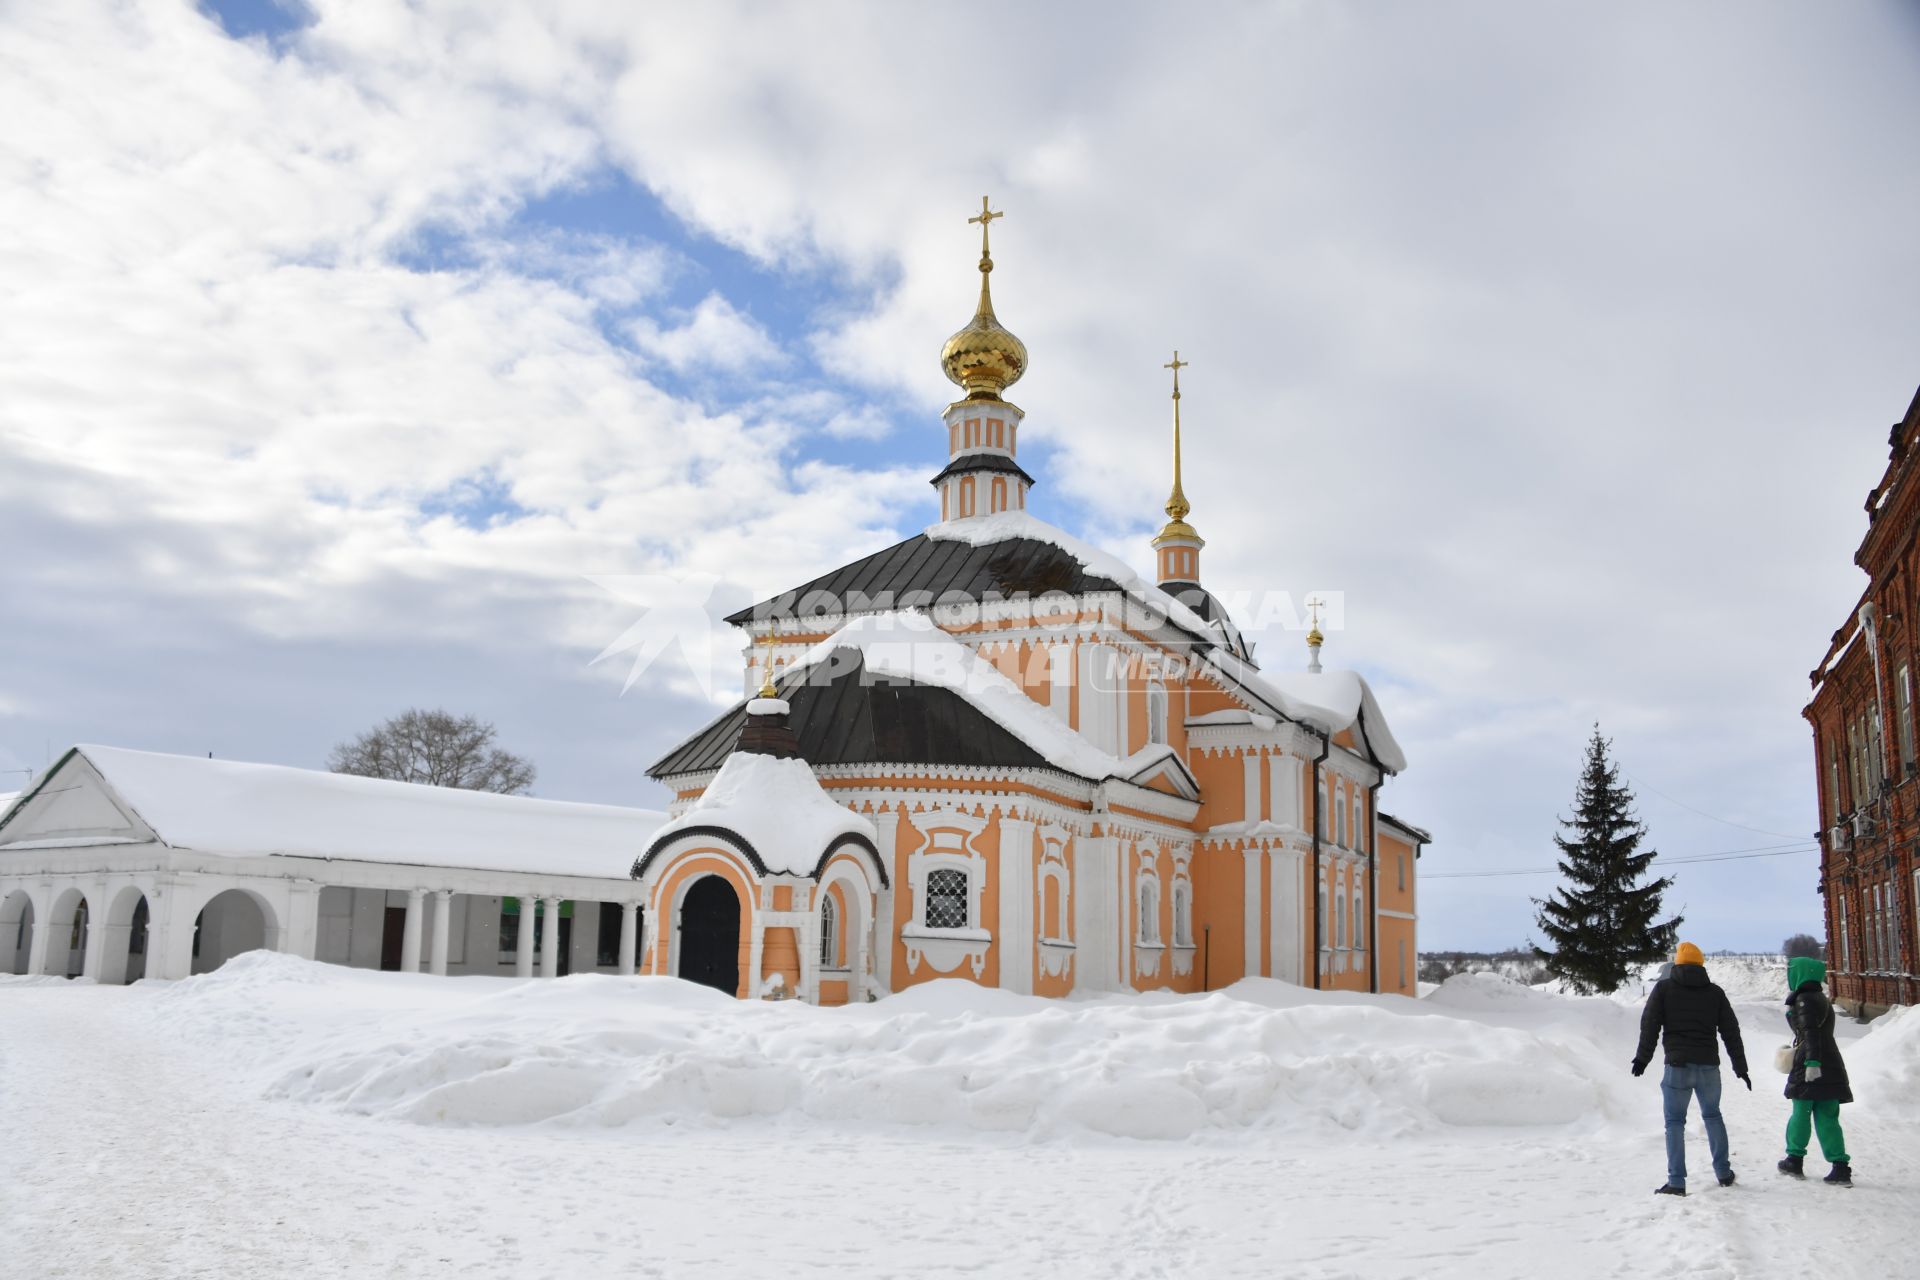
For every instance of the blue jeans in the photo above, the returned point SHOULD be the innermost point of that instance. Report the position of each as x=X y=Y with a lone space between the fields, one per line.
x=1677 y=1088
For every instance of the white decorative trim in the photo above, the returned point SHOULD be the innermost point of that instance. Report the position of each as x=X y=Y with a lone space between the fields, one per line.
x=944 y=950
x=1183 y=959
x=1252 y=965
x=1017 y=895
x=1146 y=958
x=1056 y=956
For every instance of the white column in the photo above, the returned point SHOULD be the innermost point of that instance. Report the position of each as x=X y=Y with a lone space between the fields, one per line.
x=1283 y=771
x=442 y=929
x=550 y=940
x=629 y=934
x=887 y=823
x=96 y=940
x=301 y=937
x=1289 y=925
x=38 y=945
x=1251 y=895
x=410 y=939
x=1016 y=935
x=523 y=950
x=169 y=935
x=761 y=903
x=809 y=932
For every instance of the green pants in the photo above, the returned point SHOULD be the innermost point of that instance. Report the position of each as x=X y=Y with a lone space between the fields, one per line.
x=1823 y=1117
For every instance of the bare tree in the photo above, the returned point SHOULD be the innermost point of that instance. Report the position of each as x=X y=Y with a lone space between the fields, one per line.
x=436 y=748
x=1802 y=944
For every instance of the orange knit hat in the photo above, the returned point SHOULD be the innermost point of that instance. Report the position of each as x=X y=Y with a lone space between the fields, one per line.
x=1688 y=954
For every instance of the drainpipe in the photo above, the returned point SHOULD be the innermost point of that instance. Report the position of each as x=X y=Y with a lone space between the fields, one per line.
x=1373 y=882
x=1326 y=749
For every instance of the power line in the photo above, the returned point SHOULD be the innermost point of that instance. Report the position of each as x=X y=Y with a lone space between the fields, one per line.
x=1759 y=831
x=1732 y=855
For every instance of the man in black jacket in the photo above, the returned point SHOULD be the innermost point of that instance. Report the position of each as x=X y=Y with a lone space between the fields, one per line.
x=1690 y=1011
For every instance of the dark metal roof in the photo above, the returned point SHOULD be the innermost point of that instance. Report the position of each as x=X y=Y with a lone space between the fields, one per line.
x=842 y=714
x=931 y=567
x=1208 y=606
x=738 y=841
x=969 y=462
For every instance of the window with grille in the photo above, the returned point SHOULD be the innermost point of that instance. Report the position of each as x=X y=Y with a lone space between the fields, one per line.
x=830 y=933
x=946 y=899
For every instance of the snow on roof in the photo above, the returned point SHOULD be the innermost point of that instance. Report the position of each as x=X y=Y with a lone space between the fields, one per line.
x=907 y=645
x=777 y=806
x=1003 y=526
x=238 y=809
x=7 y=798
x=1329 y=700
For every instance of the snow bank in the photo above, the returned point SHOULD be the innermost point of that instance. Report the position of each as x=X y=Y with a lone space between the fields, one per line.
x=775 y=805
x=1884 y=1064
x=593 y=1051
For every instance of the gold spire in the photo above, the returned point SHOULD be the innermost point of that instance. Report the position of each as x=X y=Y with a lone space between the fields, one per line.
x=985 y=358
x=1177 y=505
x=767 y=688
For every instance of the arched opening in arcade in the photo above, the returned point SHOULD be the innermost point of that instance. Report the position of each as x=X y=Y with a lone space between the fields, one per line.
x=123 y=957
x=70 y=920
x=231 y=923
x=16 y=932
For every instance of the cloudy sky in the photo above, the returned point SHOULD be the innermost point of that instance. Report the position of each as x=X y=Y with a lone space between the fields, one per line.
x=357 y=354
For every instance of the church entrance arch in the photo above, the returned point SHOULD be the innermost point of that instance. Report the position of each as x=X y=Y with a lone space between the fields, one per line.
x=710 y=934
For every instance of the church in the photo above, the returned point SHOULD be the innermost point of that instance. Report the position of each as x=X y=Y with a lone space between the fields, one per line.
x=989 y=752
x=993 y=752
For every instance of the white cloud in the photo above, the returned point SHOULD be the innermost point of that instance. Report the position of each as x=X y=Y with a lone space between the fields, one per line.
x=714 y=336
x=1518 y=340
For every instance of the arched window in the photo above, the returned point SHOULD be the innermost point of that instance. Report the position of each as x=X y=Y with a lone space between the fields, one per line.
x=1359 y=825
x=946 y=899
x=1339 y=920
x=829 y=933
x=1320 y=921
x=1339 y=821
x=1359 y=929
x=1149 y=910
x=1157 y=712
x=1182 y=914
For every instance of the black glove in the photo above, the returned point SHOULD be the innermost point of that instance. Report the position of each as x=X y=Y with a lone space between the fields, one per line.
x=1639 y=1067
x=1747 y=1080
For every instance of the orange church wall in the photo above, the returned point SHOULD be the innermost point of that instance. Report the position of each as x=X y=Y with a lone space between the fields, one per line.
x=832 y=992
x=1219 y=917
x=1223 y=789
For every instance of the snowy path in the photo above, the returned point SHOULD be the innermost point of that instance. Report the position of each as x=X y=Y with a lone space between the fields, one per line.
x=131 y=1151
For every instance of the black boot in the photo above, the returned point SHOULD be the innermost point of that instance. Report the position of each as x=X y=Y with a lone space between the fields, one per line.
x=1668 y=1189
x=1841 y=1175
x=1793 y=1166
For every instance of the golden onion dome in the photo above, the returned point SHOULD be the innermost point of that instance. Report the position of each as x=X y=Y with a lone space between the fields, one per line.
x=985 y=358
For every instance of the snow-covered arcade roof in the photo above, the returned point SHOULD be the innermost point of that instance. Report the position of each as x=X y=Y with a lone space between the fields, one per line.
x=238 y=809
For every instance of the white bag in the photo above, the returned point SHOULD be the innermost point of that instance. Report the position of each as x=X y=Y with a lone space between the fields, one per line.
x=1783 y=1059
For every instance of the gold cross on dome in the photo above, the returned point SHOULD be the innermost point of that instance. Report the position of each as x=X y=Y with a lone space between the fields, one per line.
x=985 y=218
x=1313 y=607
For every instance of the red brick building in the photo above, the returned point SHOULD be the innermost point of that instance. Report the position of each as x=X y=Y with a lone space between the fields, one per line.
x=1863 y=719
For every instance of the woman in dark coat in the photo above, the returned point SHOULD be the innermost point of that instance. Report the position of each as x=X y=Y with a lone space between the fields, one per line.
x=1818 y=1082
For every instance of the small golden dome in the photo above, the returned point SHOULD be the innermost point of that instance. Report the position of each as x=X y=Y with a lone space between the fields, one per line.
x=1315 y=639
x=984 y=358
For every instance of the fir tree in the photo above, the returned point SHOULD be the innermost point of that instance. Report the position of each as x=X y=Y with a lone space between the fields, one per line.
x=1600 y=924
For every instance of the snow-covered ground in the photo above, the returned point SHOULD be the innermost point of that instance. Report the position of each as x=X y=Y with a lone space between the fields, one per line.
x=282 y=1118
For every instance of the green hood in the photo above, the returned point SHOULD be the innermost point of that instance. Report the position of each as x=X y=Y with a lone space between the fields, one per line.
x=1804 y=969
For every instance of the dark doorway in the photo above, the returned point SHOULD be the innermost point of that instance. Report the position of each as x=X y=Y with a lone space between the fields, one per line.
x=393 y=939
x=710 y=935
